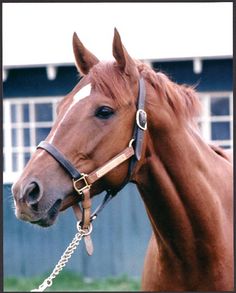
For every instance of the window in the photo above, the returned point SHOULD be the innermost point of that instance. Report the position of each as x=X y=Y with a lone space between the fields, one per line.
x=25 y=123
x=216 y=122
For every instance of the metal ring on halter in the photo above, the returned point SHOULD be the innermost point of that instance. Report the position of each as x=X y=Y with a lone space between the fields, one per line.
x=131 y=141
x=86 y=231
x=141 y=119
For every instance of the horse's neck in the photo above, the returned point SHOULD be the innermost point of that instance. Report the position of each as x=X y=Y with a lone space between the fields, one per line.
x=181 y=194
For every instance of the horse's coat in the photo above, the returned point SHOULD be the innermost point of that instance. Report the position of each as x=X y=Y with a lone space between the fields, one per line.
x=186 y=185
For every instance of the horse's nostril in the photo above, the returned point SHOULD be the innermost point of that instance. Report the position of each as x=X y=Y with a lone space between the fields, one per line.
x=33 y=193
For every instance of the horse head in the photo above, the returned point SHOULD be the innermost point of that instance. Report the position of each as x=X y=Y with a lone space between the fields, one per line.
x=94 y=122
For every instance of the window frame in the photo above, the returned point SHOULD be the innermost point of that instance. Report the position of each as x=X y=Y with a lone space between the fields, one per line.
x=9 y=175
x=206 y=118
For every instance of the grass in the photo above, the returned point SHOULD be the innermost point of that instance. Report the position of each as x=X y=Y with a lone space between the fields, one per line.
x=68 y=281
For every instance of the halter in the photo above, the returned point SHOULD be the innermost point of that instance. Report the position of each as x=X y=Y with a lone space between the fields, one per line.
x=83 y=182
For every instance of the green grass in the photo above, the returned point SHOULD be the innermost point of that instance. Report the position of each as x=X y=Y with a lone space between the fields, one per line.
x=68 y=281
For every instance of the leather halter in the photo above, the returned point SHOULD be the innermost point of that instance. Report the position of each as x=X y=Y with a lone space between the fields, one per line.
x=82 y=182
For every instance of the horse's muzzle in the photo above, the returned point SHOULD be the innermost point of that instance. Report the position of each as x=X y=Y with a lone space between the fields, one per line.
x=32 y=205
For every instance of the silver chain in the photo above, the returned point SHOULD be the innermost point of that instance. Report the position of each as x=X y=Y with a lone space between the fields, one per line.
x=64 y=258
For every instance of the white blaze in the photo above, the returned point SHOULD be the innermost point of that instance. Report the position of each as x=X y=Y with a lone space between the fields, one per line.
x=84 y=92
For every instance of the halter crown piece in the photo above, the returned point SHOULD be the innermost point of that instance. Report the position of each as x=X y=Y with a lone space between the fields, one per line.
x=82 y=182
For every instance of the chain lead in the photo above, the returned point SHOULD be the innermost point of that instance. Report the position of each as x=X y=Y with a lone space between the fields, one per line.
x=65 y=257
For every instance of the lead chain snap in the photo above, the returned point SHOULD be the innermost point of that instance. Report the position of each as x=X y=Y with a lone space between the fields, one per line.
x=85 y=231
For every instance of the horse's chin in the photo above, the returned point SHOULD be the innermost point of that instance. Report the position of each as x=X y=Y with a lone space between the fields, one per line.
x=50 y=217
x=44 y=222
x=60 y=205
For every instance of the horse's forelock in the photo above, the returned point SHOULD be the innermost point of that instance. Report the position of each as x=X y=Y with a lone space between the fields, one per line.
x=107 y=78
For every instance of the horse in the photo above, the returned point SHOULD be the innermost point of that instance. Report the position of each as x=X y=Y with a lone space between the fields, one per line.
x=185 y=183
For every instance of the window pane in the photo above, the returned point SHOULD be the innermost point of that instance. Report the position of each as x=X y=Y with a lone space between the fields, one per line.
x=26 y=140
x=41 y=134
x=14 y=162
x=13 y=113
x=219 y=106
x=26 y=158
x=220 y=130
x=14 y=137
x=43 y=112
x=25 y=113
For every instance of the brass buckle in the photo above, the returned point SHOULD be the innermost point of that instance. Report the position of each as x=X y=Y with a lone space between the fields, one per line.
x=86 y=184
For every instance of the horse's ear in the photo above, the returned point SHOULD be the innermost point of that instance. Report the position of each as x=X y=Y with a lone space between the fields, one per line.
x=125 y=62
x=85 y=60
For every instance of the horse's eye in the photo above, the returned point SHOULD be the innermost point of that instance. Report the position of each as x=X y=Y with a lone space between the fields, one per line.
x=104 y=112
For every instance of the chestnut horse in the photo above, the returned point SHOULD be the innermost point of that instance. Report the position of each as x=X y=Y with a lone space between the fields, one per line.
x=186 y=185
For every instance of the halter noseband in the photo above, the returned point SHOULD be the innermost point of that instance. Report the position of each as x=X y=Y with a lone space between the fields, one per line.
x=82 y=182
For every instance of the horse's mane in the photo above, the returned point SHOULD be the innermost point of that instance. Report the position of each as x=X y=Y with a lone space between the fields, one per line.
x=182 y=99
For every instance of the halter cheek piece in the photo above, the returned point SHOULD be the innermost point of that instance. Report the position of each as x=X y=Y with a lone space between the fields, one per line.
x=82 y=182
